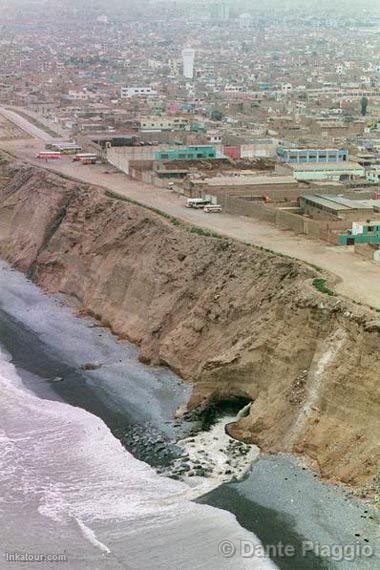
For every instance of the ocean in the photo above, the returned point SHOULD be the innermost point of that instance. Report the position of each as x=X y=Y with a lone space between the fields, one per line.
x=71 y=493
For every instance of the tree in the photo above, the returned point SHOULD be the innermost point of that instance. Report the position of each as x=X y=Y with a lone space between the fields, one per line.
x=364 y=103
x=216 y=115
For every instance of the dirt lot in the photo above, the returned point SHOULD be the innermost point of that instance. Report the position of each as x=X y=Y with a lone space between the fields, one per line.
x=357 y=278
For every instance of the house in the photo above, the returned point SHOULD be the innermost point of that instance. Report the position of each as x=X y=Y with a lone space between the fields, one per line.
x=127 y=92
x=360 y=233
x=373 y=175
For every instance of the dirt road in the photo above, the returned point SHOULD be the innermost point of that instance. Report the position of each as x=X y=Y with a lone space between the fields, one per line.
x=26 y=126
x=357 y=278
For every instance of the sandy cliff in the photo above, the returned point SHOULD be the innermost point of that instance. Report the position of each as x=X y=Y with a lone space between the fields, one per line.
x=234 y=319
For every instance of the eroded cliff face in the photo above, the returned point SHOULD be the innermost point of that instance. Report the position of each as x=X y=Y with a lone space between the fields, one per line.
x=233 y=319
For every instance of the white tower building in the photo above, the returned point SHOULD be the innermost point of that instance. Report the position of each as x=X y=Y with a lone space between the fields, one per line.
x=188 y=62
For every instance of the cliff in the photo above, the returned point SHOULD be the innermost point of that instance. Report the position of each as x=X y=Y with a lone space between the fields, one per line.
x=233 y=319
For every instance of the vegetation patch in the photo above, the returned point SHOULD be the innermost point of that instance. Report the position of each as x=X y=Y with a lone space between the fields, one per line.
x=320 y=285
x=3 y=159
x=203 y=232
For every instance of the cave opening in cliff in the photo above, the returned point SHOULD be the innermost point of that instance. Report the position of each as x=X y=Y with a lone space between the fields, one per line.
x=222 y=405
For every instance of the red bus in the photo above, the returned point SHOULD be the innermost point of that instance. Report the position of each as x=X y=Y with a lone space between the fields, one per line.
x=46 y=154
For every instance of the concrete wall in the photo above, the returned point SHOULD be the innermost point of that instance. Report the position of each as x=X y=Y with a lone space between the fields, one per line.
x=276 y=193
x=288 y=193
x=284 y=219
x=120 y=157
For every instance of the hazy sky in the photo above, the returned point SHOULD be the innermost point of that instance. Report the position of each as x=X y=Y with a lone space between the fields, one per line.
x=338 y=8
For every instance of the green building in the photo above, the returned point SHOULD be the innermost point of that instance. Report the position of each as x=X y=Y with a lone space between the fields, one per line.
x=187 y=153
x=368 y=232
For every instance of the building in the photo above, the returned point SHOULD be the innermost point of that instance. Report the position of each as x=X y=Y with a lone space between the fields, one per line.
x=286 y=87
x=368 y=232
x=368 y=159
x=158 y=124
x=175 y=67
x=333 y=207
x=219 y=10
x=127 y=92
x=328 y=171
x=373 y=175
x=188 y=62
x=214 y=137
x=306 y=155
x=187 y=153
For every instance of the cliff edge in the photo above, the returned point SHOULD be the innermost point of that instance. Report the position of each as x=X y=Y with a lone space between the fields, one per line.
x=233 y=319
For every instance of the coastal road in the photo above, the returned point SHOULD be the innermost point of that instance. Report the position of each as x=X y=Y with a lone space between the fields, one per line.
x=26 y=126
x=357 y=278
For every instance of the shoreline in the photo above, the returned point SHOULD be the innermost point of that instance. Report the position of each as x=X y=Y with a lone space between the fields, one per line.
x=190 y=426
x=233 y=497
x=301 y=509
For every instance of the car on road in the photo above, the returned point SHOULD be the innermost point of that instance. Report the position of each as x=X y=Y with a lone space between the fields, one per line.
x=212 y=208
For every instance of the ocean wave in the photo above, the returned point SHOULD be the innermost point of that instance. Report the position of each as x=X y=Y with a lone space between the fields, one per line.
x=64 y=464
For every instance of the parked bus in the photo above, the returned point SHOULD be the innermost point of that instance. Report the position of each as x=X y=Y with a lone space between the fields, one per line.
x=47 y=154
x=197 y=202
x=64 y=147
x=86 y=158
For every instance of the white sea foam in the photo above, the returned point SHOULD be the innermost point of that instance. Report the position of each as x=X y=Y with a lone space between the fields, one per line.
x=216 y=454
x=90 y=535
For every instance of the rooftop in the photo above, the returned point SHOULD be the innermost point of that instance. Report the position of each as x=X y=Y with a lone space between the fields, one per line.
x=341 y=203
x=326 y=166
x=249 y=180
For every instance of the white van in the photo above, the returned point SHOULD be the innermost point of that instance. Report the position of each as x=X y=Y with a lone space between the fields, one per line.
x=212 y=208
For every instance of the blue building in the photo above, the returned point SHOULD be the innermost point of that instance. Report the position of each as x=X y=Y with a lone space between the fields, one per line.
x=264 y=86
x=187 y=153
x=306 y=155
